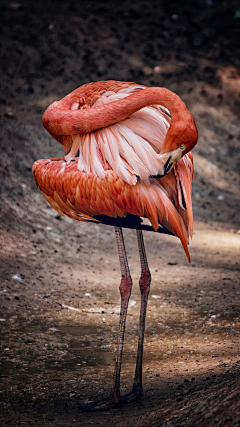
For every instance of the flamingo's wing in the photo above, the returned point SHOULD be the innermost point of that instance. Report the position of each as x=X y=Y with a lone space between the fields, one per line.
x=86 y=197
x=131 y=147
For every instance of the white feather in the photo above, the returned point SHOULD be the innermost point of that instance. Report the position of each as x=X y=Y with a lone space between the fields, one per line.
x=128 y=147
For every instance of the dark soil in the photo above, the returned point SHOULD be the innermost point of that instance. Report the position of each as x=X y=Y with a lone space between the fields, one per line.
x=59 y=294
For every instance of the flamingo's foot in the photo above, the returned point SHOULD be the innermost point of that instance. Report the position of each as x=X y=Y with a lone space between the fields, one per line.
x=134 y=395
x=113 y=401
x=103 y=405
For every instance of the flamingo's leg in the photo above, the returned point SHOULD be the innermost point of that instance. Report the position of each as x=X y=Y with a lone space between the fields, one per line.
x=125 y=292
x=144 y=284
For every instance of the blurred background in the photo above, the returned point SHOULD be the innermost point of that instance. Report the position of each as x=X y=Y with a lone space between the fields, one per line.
x=49 y=49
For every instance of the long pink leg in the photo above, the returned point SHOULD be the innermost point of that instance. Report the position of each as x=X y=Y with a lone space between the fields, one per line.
x=144 y=284
x=125 y=292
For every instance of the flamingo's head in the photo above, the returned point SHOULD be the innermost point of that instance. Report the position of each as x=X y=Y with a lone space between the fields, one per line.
x=180 y=139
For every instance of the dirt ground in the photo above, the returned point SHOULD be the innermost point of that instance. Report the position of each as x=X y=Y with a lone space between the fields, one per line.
x=59 y=293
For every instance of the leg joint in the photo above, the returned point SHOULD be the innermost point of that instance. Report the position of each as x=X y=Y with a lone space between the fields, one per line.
x=125 y=287
x=145 y=280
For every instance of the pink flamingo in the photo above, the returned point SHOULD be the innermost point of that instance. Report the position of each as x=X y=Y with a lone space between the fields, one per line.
x=128 y=164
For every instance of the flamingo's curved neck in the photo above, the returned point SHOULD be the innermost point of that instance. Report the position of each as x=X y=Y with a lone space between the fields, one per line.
x=60 y=119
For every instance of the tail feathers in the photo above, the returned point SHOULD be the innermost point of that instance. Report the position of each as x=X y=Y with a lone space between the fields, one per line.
x=184 y=173
x=155 y=204
x=172 y=216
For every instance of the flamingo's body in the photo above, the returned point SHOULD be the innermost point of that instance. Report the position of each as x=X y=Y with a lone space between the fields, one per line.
x=127 y=163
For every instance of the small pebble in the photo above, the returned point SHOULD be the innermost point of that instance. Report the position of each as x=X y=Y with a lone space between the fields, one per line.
x=157 y=69
x=14 y=5
x=17 y=277
x=147 y=71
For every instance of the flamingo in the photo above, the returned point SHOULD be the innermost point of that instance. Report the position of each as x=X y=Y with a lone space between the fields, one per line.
x=127 y=163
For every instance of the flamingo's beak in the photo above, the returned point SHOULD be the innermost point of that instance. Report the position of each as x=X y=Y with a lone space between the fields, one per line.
x=169 y=159
x=168 y=165
x=164 y=170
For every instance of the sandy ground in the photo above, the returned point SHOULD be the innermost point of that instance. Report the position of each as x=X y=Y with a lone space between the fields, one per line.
x=59 y=294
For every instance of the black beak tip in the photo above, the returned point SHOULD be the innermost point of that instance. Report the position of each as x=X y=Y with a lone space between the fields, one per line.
x=166 y=169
